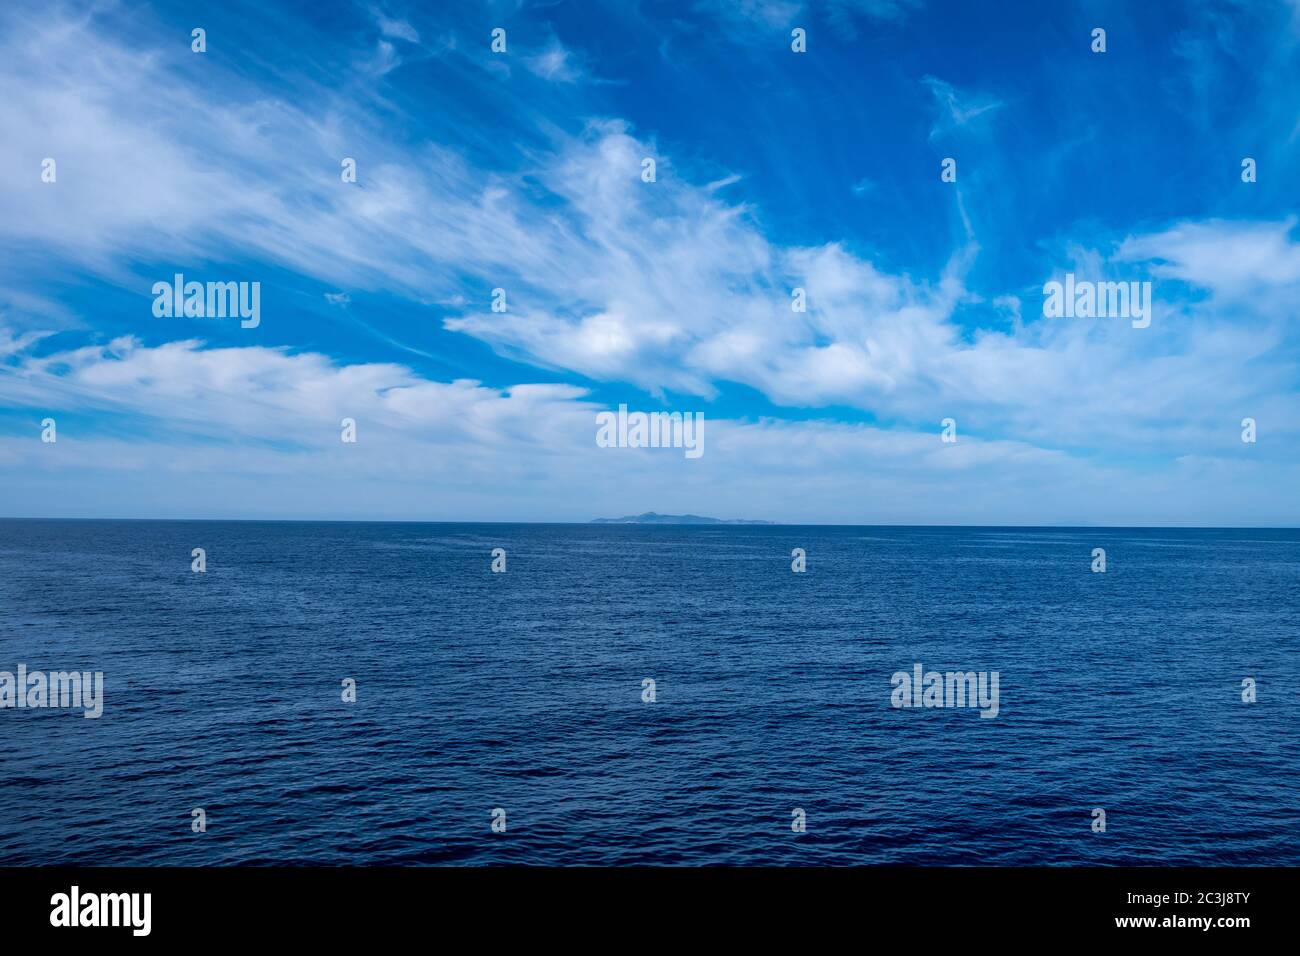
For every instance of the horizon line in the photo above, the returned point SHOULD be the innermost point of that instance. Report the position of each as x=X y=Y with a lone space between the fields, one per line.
x=727 y=523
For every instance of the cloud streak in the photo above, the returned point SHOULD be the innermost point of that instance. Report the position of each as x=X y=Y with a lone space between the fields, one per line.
x=669 y=291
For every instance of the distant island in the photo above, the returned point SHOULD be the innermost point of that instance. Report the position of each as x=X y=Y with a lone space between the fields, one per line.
x=651 y=518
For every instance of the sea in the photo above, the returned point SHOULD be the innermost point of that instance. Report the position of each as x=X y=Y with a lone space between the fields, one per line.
x=649 y=695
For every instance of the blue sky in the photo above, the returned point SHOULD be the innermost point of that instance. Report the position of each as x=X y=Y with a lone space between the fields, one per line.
x=522 y=170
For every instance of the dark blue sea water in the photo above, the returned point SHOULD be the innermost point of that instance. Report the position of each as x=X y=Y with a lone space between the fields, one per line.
x=523 y=691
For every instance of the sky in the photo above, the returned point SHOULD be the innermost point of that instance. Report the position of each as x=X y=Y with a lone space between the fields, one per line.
x=774 y=170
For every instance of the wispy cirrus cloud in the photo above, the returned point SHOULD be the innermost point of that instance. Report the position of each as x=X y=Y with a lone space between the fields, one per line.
x=394 y=27
x=1231 y=259
x=775 y=13
x=666 y=286
x=554 y=62
x=677 y=289
x=956 y=109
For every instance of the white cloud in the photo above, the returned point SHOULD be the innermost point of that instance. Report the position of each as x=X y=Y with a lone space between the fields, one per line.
x=383 y=60
x=1231 y=258
x=779 y=13
x=296 y=398
x=956 y=109
x=666 y=285
x=554 y=63
x=254 y=432
x=394 y=28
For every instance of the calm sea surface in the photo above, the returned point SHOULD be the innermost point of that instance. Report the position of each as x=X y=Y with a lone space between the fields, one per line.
x=523 y=691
